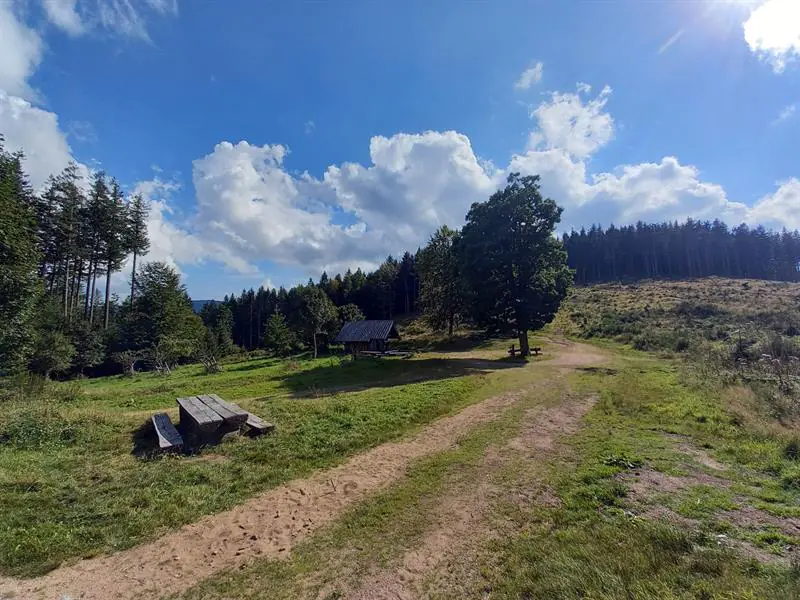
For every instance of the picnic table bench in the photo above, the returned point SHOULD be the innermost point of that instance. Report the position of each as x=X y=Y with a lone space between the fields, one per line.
x=207 y=418
x=168 y=436
x=536 y=350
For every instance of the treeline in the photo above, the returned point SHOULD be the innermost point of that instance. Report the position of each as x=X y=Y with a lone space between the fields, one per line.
x=504 y=271
x=392 y=289
x=690 y=249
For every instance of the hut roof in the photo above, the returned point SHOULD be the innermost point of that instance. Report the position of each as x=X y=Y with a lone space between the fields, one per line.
x=364 y=331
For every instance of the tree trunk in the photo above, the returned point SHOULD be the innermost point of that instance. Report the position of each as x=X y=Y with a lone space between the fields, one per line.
x=76 y=284
x=94 y=289
x=66 y=288
x=451 y=323
x=524 y=349
x=108 y=297
x=133 y=276
x=88 y=289
x=314 y=335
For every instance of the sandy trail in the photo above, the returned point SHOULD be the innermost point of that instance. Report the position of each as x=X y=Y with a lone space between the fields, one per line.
x=269 y=524
x=461 y=523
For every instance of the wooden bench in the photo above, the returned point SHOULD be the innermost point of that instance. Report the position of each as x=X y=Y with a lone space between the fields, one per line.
x=257 y=426
x=513 y=351
x=168 y=436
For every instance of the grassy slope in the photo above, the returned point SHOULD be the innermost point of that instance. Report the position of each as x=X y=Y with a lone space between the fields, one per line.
x=674 y=315
x=590 y=545
x=600 y=542
x=70 y=487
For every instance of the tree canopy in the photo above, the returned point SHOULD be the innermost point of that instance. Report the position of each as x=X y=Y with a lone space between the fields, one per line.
x=515 y=267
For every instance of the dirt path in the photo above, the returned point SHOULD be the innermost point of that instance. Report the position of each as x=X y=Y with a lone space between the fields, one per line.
x=268 y=524
x=461 y=523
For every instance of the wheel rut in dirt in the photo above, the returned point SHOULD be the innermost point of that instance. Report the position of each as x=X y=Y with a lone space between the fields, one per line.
x=462 y=526
x=267 y=525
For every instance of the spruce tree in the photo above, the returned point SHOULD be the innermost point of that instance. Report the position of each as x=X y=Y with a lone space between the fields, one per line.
x=19 y=286
x=138 y=240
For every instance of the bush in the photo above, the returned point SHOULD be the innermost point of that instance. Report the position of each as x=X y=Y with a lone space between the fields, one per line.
x=696 y=311
x=792 y=449
x=682 y=344
x=34 y=428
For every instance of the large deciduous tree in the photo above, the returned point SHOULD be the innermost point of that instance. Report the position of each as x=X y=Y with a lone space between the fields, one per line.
x=442 y=293
x=319 y=315
x=515 y=266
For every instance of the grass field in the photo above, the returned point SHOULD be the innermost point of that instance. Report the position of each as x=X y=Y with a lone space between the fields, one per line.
x=670 y=480
x=595 y=538
x=70 y=486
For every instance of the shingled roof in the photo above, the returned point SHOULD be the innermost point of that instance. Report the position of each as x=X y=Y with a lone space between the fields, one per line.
x=364 y=331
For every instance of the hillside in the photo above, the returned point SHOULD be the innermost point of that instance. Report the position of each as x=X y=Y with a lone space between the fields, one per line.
x=676 y=315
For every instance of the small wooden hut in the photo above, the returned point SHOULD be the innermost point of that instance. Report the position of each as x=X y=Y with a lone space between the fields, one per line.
x=371 y=336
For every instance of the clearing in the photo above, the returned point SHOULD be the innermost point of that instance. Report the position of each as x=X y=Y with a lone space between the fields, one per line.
x=595 y=471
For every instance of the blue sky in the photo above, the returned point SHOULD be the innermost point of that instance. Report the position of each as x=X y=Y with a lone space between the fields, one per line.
x=278 y=139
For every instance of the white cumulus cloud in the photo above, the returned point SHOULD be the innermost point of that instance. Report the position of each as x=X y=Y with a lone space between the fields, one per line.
x=773 y=32
x=530 y=76
x=64 y=14
x=568 y=123
x=37 y=133
x=781 y=209
x=20 y=53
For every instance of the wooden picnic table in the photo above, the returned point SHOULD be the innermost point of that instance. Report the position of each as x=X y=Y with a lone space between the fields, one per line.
x=207 y=418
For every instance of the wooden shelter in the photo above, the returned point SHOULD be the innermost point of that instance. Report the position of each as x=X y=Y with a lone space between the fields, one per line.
x=367 y=336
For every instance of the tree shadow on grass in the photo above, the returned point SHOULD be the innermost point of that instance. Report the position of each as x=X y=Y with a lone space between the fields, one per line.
x=366 y=373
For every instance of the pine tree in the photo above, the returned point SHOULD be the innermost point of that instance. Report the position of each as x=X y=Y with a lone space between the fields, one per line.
x=94 y=219
x=277 y=336
x=115 y=239
x=19 y=287
x=138 y=241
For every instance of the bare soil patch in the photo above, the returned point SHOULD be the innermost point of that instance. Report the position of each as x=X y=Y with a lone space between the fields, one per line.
x=442 y=560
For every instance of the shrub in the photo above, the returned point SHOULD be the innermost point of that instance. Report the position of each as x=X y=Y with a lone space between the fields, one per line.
x=696 y=311
x=682 y=344
x=34 y=428
x=792 y=449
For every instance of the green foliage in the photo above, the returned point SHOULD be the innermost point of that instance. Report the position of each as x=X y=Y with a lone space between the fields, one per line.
x=53 y=352
x=515 y=267
x=19 y=287
x=278 y=337
x=89 y=346
x=318 y=315
x=219 y=323
x=442 y=293
x=350 y=312
x=161 y=316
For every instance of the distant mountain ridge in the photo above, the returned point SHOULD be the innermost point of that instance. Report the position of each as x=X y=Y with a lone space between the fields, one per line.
x=197 y=305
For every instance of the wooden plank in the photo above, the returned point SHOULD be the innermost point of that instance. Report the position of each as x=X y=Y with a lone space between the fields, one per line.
x=168 y=436
x=202 y=416
x=231 y=413
x=257 y=425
